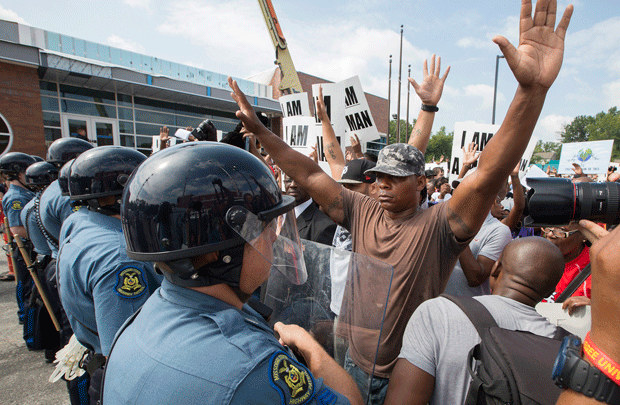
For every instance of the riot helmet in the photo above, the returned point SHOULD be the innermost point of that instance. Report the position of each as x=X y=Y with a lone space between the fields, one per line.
x=102 y=172
x=14 y=163
x=64 y=149
x=63 y=178
x=196 y=198
x=40 y=175
x=38 y=158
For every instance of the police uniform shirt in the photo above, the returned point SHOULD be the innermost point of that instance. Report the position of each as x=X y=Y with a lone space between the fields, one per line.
x=186 y=347
x=100 y=287
x=54 y=209
x=29 y=219
x=14 y=201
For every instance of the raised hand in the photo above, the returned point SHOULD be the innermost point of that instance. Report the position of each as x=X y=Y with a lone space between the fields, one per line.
x=537 y=60
x=321 y=110
x=432 y=86
x=356 y=147
x=246 y=113
x=577 y=169
x=470 y=154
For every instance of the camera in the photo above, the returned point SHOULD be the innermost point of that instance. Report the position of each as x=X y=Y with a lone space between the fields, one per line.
x=205 y=131
x=555 y=201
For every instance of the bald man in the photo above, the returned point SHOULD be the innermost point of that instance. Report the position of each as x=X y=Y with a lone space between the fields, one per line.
x=431 y=367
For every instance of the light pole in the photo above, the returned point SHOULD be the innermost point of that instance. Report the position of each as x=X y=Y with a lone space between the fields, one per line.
x=387 y=139
x=408 y=87
x=495 y=88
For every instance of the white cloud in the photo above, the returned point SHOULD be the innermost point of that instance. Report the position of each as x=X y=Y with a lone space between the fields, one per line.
x=612 y=95
x=595 y=47
x=548 y=128
x=508 y=28
x=145 y=4
x=478 y=43
x=126 y=44
x=485 y=93
x=10 y=15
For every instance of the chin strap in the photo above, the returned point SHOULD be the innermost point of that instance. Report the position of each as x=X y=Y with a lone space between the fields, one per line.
x=225 y=270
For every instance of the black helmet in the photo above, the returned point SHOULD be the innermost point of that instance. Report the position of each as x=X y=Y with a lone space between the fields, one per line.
x=14 y=163
x=64 y=149
x=41 y=174
x=38 y=158
x=63 y=178
x=175 y=207
x=102 y=172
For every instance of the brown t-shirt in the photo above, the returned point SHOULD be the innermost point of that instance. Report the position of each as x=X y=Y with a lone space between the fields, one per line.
x=422 y=250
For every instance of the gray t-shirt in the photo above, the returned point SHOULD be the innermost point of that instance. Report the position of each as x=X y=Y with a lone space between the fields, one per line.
x=439 y=336
x=489 y=242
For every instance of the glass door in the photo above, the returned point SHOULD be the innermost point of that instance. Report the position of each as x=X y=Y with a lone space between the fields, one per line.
x=98 y=131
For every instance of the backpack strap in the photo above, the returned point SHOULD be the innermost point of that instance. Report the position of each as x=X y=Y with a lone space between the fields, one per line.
x=573 y=285
x=479 y=316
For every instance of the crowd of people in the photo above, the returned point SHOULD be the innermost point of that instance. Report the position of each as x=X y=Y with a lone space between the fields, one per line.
x=159 y=273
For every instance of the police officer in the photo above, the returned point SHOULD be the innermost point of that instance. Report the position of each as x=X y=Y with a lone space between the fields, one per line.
x=40 y=330
x=207 y=213
x=13 y=167
x=100 y=287
x=54 y=207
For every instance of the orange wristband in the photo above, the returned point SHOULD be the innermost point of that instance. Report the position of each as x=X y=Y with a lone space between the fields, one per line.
x=601 y=360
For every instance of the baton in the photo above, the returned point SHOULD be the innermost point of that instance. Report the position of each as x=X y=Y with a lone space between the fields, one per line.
x=37 y=282
x=9 y=238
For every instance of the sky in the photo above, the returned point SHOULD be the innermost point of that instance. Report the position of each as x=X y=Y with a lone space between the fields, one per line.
x=339 y=39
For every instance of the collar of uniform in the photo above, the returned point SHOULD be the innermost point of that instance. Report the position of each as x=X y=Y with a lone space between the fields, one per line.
x=205 y=303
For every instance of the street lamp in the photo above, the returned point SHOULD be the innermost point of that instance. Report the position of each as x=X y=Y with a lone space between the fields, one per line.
x=495 y=88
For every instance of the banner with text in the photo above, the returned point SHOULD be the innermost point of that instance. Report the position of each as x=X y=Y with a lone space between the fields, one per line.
x=464 y=134
x=593 y=157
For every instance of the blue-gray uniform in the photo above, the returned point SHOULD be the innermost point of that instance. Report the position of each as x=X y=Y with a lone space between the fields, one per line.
x=186 y=347
x=100 y=287
x=13 y=203
x=29 y=219
x=55 y=208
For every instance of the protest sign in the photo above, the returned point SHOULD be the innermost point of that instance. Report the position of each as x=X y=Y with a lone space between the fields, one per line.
x=443 y=165
x=464 y=134
x=333 y=97
x=294 y=105
x=593 y=157
x=357 y=112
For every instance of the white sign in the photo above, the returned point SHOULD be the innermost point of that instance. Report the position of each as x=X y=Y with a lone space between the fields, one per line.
x=333 y=97
x=464 y=134
x=443 y=165
x=593 y=157
x=294 y=105
x=357 y=112
x=157 y=143
x=527 y=157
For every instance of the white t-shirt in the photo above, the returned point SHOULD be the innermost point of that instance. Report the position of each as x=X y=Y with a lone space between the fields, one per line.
x=439 y=337
x=435 y=197
x=489 y=242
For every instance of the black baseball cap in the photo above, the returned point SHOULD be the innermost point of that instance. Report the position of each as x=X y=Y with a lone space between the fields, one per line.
x=353 y=172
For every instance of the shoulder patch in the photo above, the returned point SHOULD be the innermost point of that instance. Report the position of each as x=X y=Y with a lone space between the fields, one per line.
x=130 y=283
x=76 y=208
x=291 y=379
x=17 y=205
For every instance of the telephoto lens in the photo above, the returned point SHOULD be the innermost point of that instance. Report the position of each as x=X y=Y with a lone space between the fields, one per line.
x=557 y=201
x=205 y=131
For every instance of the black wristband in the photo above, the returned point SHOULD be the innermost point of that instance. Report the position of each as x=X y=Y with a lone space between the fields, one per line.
x=430 y=108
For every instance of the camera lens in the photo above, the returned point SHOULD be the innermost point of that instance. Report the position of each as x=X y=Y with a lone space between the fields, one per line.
x=559 y=201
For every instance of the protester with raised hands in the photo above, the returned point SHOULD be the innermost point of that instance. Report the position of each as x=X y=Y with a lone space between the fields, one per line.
x=392 y=228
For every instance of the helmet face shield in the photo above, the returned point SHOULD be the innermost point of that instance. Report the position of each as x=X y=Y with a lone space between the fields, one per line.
x=275 y=238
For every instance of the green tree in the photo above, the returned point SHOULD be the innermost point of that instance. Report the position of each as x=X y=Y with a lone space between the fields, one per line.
x=603 y=126
x=541 y=147
x=440 y=143
x=404 y=134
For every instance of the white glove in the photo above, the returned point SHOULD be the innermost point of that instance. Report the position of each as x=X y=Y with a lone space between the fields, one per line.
x=68 y=359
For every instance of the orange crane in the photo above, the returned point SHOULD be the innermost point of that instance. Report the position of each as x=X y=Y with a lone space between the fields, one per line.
x=290 y=81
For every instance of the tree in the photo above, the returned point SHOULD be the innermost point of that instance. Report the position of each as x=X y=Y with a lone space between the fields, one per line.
x=404 y=134
x=542 y=147
x=440 y=143
x=603 y=126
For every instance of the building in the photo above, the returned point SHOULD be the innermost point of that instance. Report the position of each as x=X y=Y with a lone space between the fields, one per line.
x=52 y=85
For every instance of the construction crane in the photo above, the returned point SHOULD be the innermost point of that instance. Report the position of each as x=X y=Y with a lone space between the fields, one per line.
x=290 y=81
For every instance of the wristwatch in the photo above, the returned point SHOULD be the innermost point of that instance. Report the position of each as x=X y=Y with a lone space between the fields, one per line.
x=573 y=372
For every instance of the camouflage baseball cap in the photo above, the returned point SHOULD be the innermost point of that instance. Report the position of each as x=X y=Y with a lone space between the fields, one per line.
x=400 y=159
